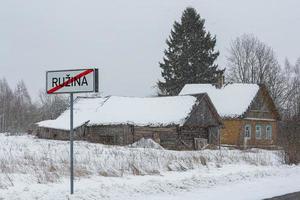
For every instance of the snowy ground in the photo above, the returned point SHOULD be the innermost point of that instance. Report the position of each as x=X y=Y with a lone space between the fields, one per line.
x=38 y=169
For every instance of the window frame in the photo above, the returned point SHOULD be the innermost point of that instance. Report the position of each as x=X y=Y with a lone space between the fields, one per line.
x=245 y=130
x=271 y=132
x=260 y=131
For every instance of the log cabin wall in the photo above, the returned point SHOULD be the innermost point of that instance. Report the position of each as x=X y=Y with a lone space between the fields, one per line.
x=58 y=134
x=110 y=134
x=202 y=123
x=260 y=107
x=188 y=134
x=128 y=134
x=172 y=137
x=203 y=115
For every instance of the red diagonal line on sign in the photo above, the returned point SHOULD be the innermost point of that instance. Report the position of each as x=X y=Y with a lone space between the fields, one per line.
x=78 y=76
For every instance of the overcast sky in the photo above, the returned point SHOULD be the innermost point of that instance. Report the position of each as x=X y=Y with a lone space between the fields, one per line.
x=126 y=39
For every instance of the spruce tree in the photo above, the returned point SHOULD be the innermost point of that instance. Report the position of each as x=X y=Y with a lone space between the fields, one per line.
x=190 y=55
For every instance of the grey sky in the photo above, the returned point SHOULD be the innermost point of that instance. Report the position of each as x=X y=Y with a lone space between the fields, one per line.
x=126 y=39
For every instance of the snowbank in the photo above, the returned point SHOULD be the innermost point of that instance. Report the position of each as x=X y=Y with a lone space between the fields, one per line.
x=246 y=182
x=43 y=161
x=146 y=143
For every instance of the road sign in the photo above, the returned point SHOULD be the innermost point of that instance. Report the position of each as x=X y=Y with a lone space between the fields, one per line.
x=72 y=81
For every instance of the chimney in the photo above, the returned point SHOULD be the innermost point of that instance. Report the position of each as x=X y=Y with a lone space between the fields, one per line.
x=220 y=79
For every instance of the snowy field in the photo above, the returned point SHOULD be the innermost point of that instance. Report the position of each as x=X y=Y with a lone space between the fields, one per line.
x=33 y=168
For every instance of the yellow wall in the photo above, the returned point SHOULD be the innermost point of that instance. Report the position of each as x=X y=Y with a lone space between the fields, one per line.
x=230 y=133
x=233 y=131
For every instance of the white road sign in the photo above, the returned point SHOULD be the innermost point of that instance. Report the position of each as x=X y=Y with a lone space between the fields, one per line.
x=72 y=81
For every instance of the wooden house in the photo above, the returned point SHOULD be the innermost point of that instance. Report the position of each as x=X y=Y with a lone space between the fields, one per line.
x=248 y=113
x=177 y=122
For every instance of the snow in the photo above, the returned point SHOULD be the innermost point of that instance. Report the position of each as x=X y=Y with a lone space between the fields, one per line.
x=141 y=111
x=229 y=182
x=232 y=100
x=33 y=168
x=29 y=155
x=248 y=184
x=145 y=111
x=84 y=107
x=146 y=143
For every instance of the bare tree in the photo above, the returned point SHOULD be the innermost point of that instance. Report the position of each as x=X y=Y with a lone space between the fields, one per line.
x=51 y=106
x=289 y=139
x=292 y=94
x=6 y=97
x=252 y=61
x=18 y=113
x=290 y=127
x=23 y=110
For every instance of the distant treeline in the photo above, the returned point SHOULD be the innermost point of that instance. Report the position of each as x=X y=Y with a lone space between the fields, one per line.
x=18 y=112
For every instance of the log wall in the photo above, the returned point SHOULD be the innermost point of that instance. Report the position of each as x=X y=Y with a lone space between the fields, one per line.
x=58 y=134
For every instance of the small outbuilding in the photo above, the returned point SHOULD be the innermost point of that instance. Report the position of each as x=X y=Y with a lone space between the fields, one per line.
x=248 y=112
x=176 y=122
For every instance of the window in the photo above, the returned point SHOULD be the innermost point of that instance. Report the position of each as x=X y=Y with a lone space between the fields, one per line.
x=269 y=132
x=248 y=131
x=258 y=131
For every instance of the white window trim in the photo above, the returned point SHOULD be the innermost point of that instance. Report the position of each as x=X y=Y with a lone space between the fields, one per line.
x=247 y=125
x=260 y=133
x=271 y=131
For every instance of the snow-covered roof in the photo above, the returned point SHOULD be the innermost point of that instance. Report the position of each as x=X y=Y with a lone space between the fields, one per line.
x=140 y=111
x=84 y=108
x=231 y=100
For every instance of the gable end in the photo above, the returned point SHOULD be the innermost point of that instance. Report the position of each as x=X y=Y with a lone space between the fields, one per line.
x=262 y=106
x=203 y=113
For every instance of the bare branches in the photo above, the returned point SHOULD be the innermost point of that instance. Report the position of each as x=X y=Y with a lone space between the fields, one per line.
x=18 y=113
x=51 y=106
x=251 y=61
x=292 y=94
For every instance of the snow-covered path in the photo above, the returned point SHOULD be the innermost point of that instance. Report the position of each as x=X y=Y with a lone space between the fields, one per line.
x=229 y=182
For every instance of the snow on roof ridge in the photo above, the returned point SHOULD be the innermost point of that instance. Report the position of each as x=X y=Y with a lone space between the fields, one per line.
x=83 y=107
x=232 y=100
x=143 y=111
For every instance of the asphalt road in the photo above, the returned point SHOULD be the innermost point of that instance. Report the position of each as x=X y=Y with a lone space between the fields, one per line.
x=290 y=196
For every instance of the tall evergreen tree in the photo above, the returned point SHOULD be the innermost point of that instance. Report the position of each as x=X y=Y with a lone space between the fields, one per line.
x=190 y=55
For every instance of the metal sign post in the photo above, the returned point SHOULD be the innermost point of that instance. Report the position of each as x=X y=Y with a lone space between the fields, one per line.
x=72 y=81
x=71 y=146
